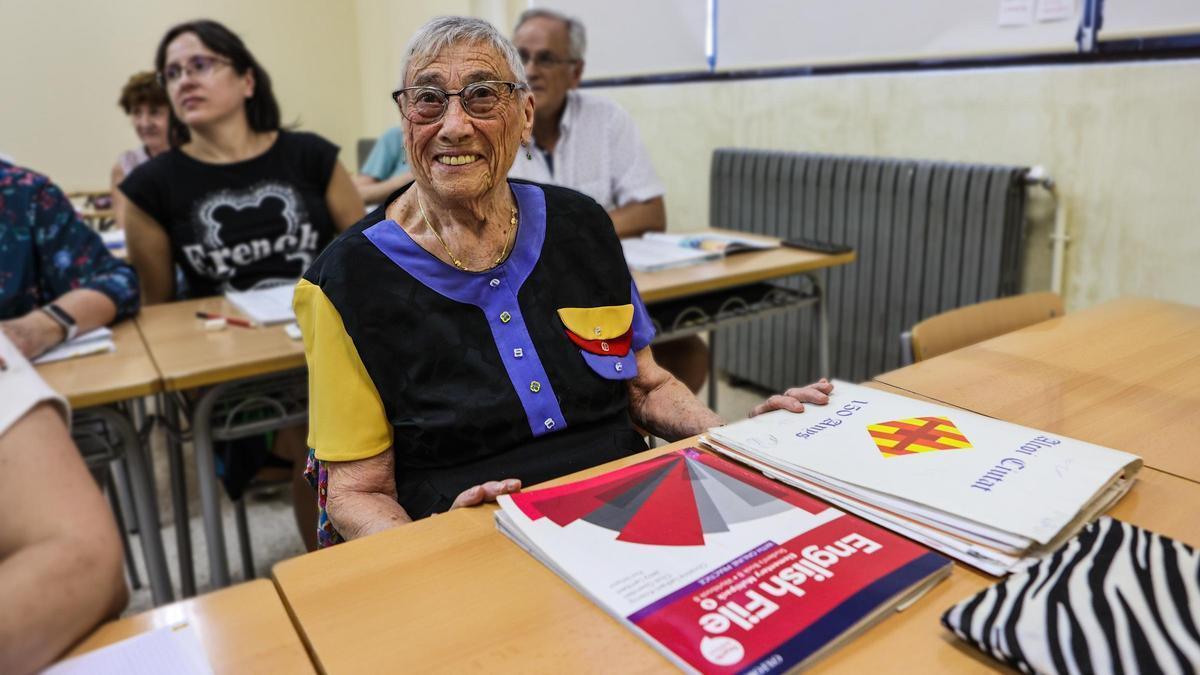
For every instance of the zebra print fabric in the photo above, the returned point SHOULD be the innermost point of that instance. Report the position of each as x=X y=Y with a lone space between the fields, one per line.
x=1114 y=599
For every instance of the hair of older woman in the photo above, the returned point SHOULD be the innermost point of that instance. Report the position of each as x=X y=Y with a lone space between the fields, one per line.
x=262 y=111
x=142 y=89
x=576 y=34
x=445 y=31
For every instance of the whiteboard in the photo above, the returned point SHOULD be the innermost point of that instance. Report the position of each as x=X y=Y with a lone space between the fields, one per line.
x=777 y=33
x=1125 y=19
x=639 y=37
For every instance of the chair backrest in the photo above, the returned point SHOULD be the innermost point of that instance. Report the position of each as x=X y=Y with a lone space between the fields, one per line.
x=965 y=326
x=364 y=150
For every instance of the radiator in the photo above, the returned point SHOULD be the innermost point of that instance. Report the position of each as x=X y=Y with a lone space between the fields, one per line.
x=930 y=236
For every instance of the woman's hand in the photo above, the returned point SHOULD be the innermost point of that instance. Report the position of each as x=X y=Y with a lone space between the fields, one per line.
x=33 y=333
x=487 y=492
x=794 y=399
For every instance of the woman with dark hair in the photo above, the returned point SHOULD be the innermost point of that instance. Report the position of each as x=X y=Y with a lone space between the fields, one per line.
x=145 y=103
x=237 y=202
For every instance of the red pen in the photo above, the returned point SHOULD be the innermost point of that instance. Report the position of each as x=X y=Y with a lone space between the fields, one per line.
x=228 y=319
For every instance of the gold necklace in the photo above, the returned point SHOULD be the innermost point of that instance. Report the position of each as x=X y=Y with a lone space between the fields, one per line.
x=458 y=263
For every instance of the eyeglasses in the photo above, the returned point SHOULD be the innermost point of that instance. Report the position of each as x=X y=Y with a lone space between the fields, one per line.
x=542 y=59
x=481 y=100
x=195 y=66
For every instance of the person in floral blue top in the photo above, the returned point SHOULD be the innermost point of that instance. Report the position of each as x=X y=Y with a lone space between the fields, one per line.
x=57 y=279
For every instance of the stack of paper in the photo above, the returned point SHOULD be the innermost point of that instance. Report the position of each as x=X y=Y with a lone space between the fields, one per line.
x=989 y=493
x=265 y=306
x=98 y=341
x=164 y=650
x=720 y=569
x=658 y=251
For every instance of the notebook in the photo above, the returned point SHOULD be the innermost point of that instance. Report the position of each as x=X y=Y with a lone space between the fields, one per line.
x=718 y=568
x=655 y=251
x=98 y=341
x=990 y=493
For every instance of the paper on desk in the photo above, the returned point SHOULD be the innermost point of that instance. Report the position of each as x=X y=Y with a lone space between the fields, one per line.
x=710 y=242
x=265 y=306
x=648 y=256
x=114 y=238
x=165 y=650
x=97 y=341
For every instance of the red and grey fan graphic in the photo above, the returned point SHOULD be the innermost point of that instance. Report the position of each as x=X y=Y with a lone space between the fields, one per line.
x=673 y=500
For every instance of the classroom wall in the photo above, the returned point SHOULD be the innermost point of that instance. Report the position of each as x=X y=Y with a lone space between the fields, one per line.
x=384 y=28
x=1121 y=140
x=66 y=61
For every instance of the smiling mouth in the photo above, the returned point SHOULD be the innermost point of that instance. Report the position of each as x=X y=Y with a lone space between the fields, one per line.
x=457 y=160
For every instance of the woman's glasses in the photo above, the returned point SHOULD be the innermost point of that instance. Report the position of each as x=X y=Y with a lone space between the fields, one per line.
x=195 y=66
x=481 y=100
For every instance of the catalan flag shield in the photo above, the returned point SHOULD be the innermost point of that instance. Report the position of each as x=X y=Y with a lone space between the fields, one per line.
x=916 y=435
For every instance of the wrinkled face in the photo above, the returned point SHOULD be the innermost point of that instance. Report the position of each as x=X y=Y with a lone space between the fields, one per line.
x=460 y=157
x=546 y=41
x=208 y=89
x=150 y=124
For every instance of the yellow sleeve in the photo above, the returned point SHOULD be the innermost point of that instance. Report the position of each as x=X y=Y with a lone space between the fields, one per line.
x=346 y=419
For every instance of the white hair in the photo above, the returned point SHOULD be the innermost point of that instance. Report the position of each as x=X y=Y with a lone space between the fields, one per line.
x=445 y=31
x=576 y=35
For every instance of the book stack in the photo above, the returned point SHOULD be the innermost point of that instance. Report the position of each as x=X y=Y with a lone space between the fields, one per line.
x=992 y=494
x=717 y=567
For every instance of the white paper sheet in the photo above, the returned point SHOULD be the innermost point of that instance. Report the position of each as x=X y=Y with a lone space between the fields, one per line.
x=649 y=256
x=266 y=306
x=174 y=650
x=97 y=341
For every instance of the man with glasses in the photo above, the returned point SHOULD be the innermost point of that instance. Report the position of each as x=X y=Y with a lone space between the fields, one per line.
x=588 y=143
x=582 y=141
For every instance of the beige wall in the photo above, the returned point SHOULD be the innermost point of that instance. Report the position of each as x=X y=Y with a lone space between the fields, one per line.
x=384 y=27
x=1122 y=141
x=67 y=60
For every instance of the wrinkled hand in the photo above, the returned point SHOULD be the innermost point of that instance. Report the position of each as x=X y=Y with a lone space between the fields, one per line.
x=33 y=333
x=794 y=399
x=487 y=492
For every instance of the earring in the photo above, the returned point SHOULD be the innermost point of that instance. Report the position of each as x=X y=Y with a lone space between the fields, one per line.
x=528 y=154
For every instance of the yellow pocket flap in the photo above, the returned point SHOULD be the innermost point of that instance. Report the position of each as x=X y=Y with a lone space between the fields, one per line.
x=597 y=323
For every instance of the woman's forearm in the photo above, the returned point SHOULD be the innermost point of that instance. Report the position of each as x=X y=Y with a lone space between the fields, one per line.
x=358 y=514
x=664 y=406
x=54 y=592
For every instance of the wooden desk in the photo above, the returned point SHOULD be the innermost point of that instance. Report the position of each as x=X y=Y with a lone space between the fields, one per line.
x=188 y=356
x=452 y=593
x=735 y=270
x=244 y=629
x=99 y=379
x=1124 y=374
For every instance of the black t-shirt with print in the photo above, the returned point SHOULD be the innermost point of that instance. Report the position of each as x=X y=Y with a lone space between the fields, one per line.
x=244 y=225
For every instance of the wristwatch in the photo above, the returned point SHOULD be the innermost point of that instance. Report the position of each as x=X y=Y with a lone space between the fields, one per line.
x=63 y=319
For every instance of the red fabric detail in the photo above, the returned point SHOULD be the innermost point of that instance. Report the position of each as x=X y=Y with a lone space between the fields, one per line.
x=616 y=347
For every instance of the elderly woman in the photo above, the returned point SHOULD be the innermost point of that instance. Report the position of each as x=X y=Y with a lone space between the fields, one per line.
x=475 y=334
x=145 y=103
